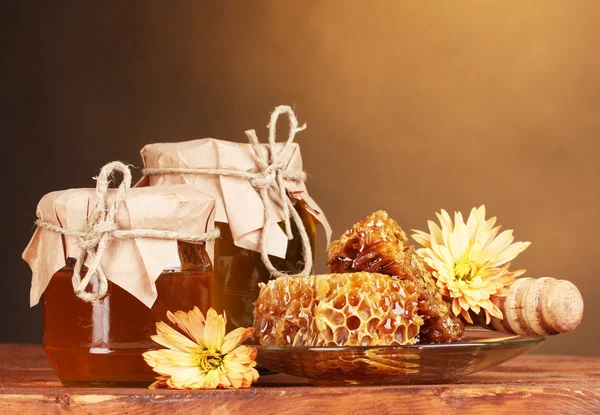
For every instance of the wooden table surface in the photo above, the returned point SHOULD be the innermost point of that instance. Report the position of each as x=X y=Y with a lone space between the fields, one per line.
x=534 y=384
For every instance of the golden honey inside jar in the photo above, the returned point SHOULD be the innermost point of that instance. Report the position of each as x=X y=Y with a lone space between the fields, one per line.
x=239 y=271
x=102 y=343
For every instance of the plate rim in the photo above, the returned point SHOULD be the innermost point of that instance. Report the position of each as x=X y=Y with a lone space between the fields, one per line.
x=512 y=339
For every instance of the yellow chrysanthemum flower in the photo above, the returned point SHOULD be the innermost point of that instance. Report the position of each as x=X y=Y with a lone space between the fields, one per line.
x=203 y=358
x=470 y=260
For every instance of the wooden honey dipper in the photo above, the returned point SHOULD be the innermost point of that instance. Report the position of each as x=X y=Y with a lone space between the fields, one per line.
x=537 y=306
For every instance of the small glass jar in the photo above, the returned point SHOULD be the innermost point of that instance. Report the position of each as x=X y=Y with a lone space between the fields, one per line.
x=102 y=344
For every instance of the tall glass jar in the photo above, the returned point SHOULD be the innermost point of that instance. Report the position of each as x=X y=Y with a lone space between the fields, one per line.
x=102 y=343
x=213 y=167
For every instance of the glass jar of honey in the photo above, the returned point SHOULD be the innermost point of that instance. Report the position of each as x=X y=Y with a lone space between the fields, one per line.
x=109 y=264
x=102 y=343
x=263 y=210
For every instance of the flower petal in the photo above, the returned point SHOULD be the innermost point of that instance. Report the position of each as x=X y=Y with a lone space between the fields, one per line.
x=501 y=242
x=244 y=350
x=214 y=331
x=422 y=238
x=510 y=253
x=198 y=383
x=445 y=220
x=178 y=358
x=172 y=339
x=186 y=376
x=212 y=379
x=235 y=337
x=191 y=323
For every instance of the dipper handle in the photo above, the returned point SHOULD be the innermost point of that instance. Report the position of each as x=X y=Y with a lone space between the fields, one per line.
x=538 y=306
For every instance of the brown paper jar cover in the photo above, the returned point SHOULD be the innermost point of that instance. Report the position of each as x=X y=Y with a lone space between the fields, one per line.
x=237 y=202
x=132 y=264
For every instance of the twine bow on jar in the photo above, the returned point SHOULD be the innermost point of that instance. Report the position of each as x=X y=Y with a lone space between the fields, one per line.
x=272 y=174
x=102 y=227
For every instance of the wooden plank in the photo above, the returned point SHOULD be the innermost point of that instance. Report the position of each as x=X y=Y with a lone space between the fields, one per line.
x=461 y=399
x=533 y=383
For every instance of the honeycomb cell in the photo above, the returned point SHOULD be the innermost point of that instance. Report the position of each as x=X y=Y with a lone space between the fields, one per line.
x=353 y=298
x=400 y=334
x=327 y=334
x=353 y=322
x=344 y=309
x=329 y=314
x=372 y=325
x=385 y=303
x=340 y=302
x=412 y=331
x=340 y=336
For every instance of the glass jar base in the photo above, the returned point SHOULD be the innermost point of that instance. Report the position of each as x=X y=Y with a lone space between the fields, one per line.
x=100 y=367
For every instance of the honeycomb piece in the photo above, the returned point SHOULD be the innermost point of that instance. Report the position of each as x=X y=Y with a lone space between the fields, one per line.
x=337 y=310
x=378 y=244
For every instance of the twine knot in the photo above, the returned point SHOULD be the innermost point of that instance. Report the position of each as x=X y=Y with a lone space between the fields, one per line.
x=100 y=226
x=91 y=238
x=268 y=176
x=274 y=175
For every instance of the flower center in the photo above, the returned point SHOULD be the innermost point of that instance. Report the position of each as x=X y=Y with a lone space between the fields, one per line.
x=465 y=270
x=209 y=360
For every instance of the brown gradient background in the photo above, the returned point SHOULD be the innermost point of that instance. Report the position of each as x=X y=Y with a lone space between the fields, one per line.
x=411 y=107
